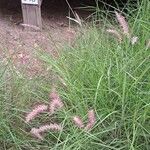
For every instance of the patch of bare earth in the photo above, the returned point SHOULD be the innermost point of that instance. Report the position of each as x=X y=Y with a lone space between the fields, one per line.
x=20 y=45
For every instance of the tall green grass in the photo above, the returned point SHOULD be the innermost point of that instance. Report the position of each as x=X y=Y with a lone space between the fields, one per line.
x=99 y=73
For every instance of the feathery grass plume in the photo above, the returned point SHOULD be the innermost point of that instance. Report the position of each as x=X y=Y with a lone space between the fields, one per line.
x=37 y=110
x=37 y=131
x=91 y=120
x=134 y=40
x=56 y=102
x=54 y=127
x=115 y=33
x=78 y=122
x=123 y=23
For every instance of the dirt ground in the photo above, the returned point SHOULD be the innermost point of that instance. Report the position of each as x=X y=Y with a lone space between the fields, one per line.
x=20 y=45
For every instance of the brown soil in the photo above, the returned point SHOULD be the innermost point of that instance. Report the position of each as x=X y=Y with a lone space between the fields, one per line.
x=20 y=45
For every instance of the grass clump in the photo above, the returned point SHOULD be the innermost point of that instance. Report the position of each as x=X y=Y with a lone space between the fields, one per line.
x=97 y=73
x=113 y=79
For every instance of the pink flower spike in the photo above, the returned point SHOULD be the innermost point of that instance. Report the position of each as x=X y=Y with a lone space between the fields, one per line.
x=78 y=122
x=35 y=133
x=115 y=33
x=54 y=127
x=123 y=23
x=39 y=109
x=134 y=40
x=91 y=120
x=54 y=94
x=56 y=102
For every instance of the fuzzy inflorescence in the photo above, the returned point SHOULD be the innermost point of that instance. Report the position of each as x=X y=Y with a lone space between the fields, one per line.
x=35 y=112
x=91 y=121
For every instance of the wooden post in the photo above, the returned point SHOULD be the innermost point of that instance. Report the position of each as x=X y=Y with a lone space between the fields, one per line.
x=31 y=10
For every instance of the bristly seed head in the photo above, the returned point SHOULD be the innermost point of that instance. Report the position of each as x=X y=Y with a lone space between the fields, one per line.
x=36 y=111
x=37 y=131
x=56 y=102
x=123 y=24
x=115 y=33
x=91 y=120
x=78 y=122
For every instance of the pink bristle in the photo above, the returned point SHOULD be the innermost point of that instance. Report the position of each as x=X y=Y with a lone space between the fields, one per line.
x=37 y=131
x=56 y=102
x=123 y=23
x=54 y=94
x=78 y=122
x=52 y=107
x=37 y=110
x=115 y=33
x=91 y=120
x=54 y=127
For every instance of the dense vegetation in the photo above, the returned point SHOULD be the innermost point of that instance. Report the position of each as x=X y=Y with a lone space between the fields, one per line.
x=98 y=72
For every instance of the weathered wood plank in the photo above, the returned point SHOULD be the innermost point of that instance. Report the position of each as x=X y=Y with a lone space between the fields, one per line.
x=32 y=15
x=41 y=2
